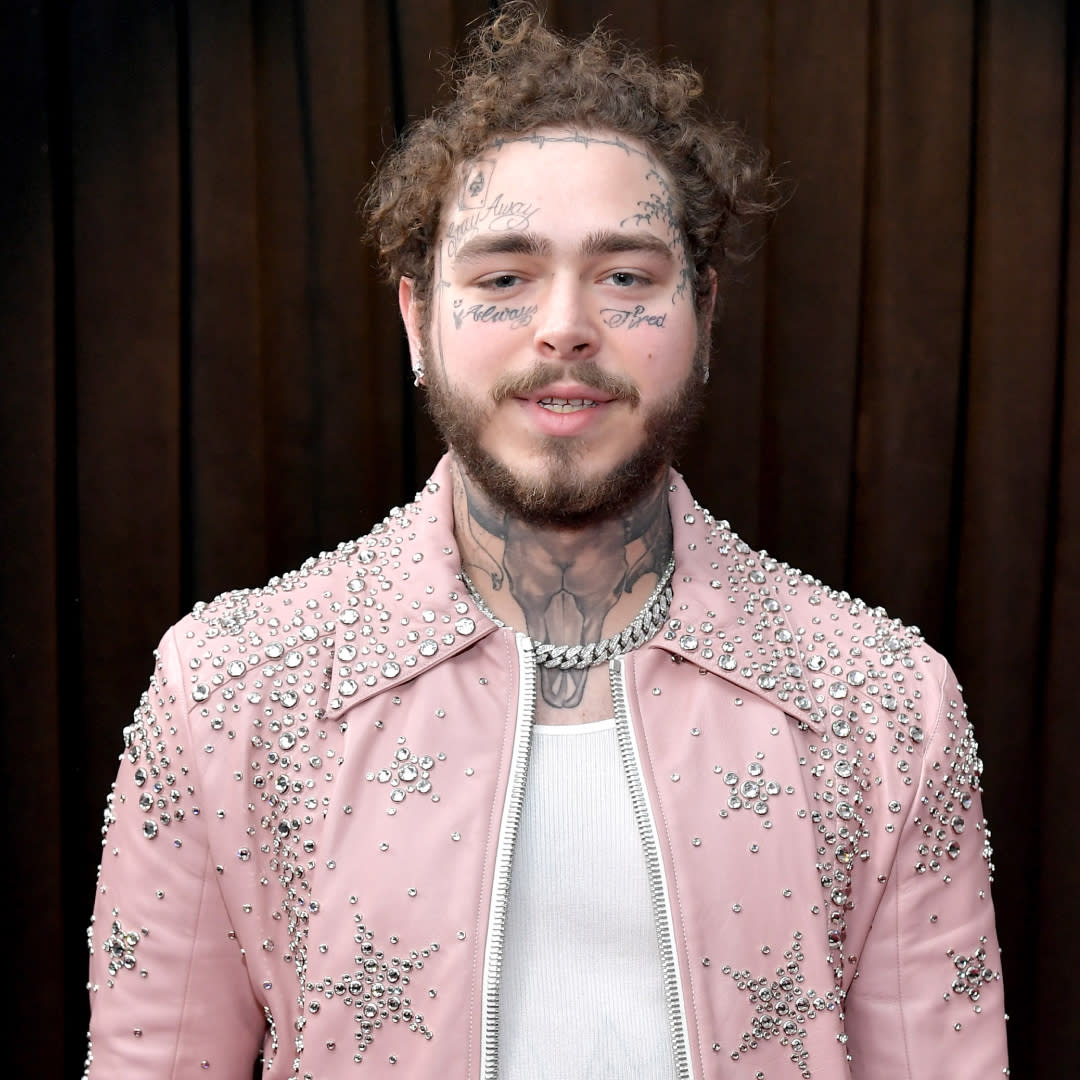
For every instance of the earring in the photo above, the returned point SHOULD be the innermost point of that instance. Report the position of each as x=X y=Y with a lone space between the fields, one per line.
x=418 y=371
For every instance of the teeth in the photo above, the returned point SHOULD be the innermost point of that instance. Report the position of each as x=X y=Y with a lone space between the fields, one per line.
x=566 y=404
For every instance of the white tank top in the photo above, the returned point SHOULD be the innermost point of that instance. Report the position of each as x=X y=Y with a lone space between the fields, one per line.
x=582 y=988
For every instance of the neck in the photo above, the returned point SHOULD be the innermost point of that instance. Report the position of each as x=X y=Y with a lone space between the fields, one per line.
x=564 y=586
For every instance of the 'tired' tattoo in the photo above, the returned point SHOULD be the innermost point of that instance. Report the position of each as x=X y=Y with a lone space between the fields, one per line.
x=632 y=319
x=492 y=313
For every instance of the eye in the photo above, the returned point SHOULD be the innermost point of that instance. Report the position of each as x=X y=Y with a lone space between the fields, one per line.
x=625 y=279
x=500 y=282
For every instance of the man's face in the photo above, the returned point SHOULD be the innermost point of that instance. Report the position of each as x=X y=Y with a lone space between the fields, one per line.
x=562 y=346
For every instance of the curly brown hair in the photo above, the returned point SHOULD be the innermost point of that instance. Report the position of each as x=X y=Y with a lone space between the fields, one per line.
x=516 y=76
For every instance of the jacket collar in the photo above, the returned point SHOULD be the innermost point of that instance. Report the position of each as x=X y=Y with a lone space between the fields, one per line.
x=402 y=609
x=731 y=611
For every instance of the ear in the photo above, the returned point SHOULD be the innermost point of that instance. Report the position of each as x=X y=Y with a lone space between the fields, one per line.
x=412 y=316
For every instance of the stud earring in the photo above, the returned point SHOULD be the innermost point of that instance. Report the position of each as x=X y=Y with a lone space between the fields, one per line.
x=418 y=371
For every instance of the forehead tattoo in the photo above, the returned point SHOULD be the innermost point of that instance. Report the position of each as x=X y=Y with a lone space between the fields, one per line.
x=486 y=222
x=539 y=140
x=476 y=176
x=476 y=182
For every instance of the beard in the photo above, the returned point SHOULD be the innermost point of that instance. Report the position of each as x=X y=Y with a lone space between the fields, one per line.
x=563 y=497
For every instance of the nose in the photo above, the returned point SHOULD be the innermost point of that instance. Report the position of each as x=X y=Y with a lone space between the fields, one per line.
x=566 y=327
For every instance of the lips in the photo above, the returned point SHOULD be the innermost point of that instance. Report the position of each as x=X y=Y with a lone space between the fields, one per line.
x=556 y=388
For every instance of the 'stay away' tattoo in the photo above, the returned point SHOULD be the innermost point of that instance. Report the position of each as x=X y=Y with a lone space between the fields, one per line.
x=501 y=215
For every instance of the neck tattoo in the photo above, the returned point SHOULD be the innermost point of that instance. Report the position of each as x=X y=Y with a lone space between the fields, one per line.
x=643 y=628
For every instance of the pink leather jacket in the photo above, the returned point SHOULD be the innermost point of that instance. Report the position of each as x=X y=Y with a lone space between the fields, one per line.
x=308 y=848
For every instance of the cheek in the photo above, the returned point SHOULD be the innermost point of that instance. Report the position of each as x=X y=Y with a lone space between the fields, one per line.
x=667 y=352
x=483 y=330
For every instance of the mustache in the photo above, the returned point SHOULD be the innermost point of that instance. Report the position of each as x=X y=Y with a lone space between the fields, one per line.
x=585 y=373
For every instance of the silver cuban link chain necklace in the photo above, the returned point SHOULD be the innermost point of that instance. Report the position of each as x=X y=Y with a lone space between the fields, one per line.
x=645 y=625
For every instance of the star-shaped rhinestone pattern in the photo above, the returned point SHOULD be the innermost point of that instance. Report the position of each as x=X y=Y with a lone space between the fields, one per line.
x=782 y=1006
x=377 y=989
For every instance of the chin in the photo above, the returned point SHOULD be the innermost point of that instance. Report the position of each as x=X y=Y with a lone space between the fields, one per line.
x=556 y=493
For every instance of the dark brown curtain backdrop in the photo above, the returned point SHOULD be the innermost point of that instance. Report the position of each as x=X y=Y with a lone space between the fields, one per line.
x=203 y=382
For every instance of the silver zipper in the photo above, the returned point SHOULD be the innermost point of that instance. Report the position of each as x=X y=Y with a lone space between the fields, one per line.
x=504 y=858
x=654 y=864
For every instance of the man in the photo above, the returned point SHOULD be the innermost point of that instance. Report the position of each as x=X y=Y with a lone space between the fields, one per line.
x=550 y=775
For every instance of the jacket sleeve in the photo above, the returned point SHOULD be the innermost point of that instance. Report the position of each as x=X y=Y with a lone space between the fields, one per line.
x=170 y=995
x=927 y=999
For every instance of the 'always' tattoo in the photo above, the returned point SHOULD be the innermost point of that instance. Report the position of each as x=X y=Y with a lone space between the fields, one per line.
x=492 y=313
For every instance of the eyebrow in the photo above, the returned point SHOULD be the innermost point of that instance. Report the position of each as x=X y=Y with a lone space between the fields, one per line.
x=602 y=242
x=610 y=242
x=502 y=243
